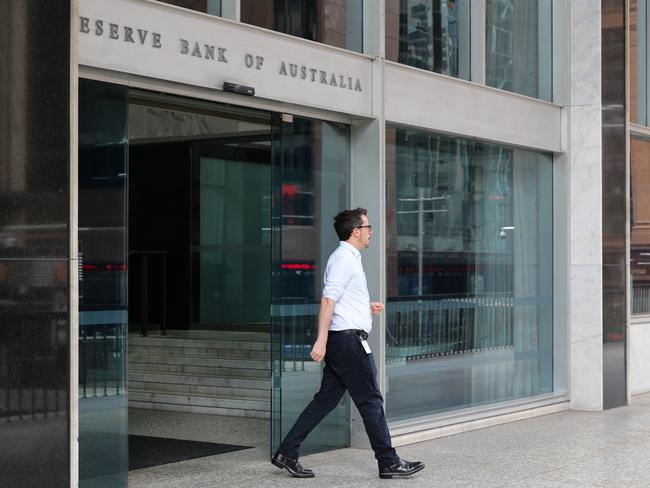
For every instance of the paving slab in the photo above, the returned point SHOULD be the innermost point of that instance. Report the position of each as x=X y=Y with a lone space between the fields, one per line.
x=563 y=450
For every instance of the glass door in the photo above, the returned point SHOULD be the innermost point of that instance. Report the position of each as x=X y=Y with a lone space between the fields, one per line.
x=310 y=168
x=103 y=410
x=231 y=234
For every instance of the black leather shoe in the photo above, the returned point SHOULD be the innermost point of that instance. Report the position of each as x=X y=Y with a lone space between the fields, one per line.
x=400 y=469
x=293 y=466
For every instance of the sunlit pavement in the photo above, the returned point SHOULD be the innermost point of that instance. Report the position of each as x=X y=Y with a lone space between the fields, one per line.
x=562 y=450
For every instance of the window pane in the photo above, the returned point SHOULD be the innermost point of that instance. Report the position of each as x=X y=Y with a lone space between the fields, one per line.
x=469 y=273
x=429 y=34
x=311 y=161
x=638 y=61
x=640 y=224
x=335 y=22
x=518 y=46
x=103 y=277
x=207 y=6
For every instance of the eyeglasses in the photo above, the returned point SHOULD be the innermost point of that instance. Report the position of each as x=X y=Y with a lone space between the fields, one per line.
x=369 y=227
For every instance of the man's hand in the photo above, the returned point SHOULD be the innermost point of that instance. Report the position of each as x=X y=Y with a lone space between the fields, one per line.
x=376 y=307
x=318 y=351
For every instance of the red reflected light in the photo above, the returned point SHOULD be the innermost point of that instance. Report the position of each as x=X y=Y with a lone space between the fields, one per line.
x=289 y=190
x=300 y=266
x=120 y=267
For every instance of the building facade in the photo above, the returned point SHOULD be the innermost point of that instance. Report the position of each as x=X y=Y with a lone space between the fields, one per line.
x=168 y=176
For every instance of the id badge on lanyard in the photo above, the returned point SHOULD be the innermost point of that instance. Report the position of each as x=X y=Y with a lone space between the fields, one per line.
x=365 y=345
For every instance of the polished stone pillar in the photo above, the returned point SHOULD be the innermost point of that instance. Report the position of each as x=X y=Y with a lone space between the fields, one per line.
x=614 y=203
x=34 y=243
x=579 y=175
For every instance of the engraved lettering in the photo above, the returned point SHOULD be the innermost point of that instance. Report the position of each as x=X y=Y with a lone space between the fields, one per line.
x=142 y=35
x=128 y=34
x=84 y=25
x=200 y=49
x=185 y=46
x=113 y=31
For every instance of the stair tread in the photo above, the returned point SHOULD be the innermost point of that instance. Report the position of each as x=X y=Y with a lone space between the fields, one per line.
x=181 y=389
x=201 y=375
x=235 y=412
x=198 y=357
x=231 y=357
x=183 y=395
x=196 y=344
x=217 y=337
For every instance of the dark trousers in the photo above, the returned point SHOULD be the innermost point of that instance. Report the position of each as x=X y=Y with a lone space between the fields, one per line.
x=347 y=367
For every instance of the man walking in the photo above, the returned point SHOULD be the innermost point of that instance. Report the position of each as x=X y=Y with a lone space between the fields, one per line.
x=344 y=322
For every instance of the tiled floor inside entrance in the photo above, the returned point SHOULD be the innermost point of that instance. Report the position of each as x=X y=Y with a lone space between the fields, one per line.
x=199 y=427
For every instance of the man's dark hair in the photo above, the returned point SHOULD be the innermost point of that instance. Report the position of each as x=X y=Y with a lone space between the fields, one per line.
x=348 y=220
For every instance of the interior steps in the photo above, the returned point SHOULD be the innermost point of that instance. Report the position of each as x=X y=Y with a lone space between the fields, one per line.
x=220 y=373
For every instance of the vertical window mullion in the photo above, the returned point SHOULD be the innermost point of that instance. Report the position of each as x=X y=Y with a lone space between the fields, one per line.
x=544 y=49
x=642 y=62
x=477 y=41
x=231 y=9
x=465 y=32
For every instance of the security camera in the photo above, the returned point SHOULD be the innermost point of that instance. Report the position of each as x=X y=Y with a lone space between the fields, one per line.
x=229 y=86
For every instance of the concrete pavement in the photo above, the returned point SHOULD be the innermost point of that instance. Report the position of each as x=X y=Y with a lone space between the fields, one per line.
x=564 y=450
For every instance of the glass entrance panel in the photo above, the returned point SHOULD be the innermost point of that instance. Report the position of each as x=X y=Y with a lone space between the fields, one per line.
x=103 y=442
x=311 y=162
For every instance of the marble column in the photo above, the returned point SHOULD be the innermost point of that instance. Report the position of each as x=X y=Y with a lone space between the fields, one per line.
x=585 y=221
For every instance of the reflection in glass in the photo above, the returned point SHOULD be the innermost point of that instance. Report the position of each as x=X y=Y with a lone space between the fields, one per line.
x=640 y=224
x=311 y=162
x=335 y=22
x=212 y=7
x=429 y=34
x=469 y=273
x=103 y=441
x=614 y=201
x=638 y=56
x=518 y=46
x=231 y=234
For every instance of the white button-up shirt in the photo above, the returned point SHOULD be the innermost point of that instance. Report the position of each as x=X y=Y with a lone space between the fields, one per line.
x=345 y=284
